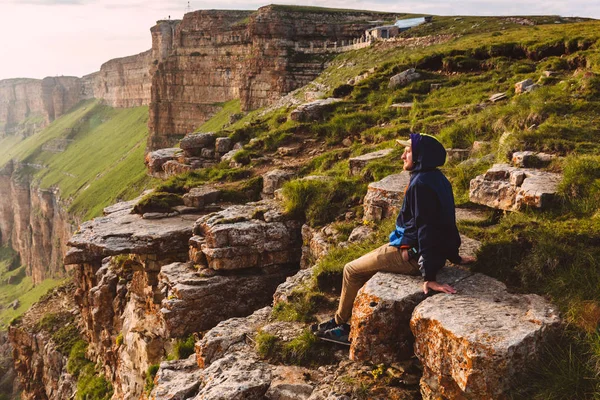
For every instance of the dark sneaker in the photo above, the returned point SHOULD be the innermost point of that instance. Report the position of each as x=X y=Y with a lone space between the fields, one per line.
x=323 y=326
x=339 y=334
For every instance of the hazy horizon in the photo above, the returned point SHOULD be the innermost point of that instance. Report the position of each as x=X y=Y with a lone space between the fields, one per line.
x=81 y=35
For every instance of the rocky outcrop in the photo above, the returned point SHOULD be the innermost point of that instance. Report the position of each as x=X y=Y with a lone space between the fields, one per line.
x=9 y=385
x=39 y=362
x=358 y=163
x=216 y=56
x=477 y=343
x=511 y=188
x=384 y=198
x=403 y=78
x=138 y=290
x=313 y=111
x=34 y=223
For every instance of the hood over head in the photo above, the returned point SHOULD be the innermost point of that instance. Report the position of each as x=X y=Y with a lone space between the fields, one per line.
x=428 y=153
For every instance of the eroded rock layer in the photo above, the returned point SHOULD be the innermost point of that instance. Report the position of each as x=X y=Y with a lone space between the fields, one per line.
x=214 y=56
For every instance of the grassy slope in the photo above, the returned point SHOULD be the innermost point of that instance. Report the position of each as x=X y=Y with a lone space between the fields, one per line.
x=21 y=288
x=221 y=118
x=102 y=164
x=553 y=253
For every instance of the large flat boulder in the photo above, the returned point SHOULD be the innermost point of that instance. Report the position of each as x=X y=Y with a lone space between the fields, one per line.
x=358 y=163
x=381 y=314
x=236 y=376
x=274 y=180
x=217 y=341
x=124 y=233
x=312 y=111
x=384 y=198
x=194 y=302
x=510 y=188
x=177 y=380
x=477 y=343
x=254 y=235
x=192 y=144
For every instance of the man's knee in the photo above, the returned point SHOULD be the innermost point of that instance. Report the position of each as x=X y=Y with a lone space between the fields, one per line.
x=349 y=271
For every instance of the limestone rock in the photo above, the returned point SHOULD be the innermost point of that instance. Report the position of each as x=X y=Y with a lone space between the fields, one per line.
x=475 y=344
x=497 y=97
x=200 y=196
x=172 y=168
x=384 y=198
x=314 y=246
x=510 y=188
x=156 y=159
x=286 y=289
x=403 y=78
x=382 y=310
x=193 y=302
x=457 y=154
x=360 y=233
x=229 y=157
x=274 y=180
x=312 y=111
x=250 y=235
x=223 y=144
x=531 y=159
x=215 y=343
x=122 y=233
x=290 y=383
x=193 y=143
x=358 y=163
x=522 y=86
x=236 y=376
x=177 y=380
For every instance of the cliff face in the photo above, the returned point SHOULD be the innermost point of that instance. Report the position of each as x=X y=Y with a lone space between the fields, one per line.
x=27 y=105
x=216 y=56
x=33 y=223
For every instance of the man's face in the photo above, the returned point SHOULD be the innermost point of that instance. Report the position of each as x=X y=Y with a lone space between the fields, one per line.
x=407 y=157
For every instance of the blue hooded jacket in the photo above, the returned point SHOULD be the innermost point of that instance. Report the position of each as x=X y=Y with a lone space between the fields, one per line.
x=427 y=220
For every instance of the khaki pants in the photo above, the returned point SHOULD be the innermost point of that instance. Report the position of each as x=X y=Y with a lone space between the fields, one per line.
x=356 y=273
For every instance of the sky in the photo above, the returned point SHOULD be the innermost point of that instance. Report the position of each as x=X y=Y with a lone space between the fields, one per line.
x=40 y=38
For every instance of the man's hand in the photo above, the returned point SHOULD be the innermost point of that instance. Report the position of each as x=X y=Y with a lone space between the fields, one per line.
x=467 y=260
x=433 y=285
x=405 y=254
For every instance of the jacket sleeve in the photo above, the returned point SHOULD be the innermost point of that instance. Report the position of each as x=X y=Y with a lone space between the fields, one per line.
x=427 y=213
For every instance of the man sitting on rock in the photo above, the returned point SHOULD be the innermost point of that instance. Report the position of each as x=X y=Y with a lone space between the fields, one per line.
x=425 y=235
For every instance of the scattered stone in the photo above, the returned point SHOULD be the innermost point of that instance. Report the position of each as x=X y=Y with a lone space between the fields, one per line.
x=382 y=310
x=294 y=282
x=467 y=214
x=531 y=88
x=236 y=376
x=240 y=145
x=457 y=154
x=477 y=343
x=200 y=196
x=403 y=78
x=290 y=383
x=177 y=380
x=312 y=111
x=548 y=74
x=207 y=153
x=407 y=106
x=347 y=142
x=15 y=304
x=312 y=96
x=480 y=146
x=229 y=157
x=360 y=233
x=274 y=180
x=223 y=144
x=512 y=189
x=217 y=341
x=288 y=151
x=156 y=159
x=358 y=163
x=497 y=97
x=522 y=86
x=435 y=86
x=531 y=159
x=192 y=144
x=384 y=198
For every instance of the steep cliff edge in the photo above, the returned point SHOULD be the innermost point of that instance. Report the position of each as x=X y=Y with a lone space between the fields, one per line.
x=216 y=56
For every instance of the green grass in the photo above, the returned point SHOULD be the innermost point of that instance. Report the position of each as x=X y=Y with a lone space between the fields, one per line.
x=218 y=121
x=21 y=288
x=103 y=163
x=305 y=349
